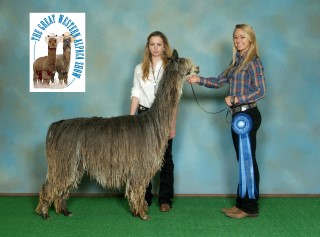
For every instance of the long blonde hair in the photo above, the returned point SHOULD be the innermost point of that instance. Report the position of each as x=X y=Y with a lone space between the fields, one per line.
x=253 y=48
x=147 y=56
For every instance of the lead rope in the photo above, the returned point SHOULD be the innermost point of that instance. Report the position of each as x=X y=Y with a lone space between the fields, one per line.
x=216 y=112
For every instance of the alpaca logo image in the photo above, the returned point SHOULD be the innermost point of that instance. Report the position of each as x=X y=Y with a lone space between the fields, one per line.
x=57 y=52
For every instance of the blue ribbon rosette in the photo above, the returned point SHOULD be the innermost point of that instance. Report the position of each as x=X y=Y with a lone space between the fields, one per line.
x=242 y=125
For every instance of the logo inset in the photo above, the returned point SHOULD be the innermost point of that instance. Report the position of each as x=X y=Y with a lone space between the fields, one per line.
x=57 y=52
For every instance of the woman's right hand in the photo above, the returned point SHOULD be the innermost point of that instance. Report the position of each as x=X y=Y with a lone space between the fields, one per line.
x=193 y=79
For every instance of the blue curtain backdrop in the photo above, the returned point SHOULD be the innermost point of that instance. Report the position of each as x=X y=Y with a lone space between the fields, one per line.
x=288 y=141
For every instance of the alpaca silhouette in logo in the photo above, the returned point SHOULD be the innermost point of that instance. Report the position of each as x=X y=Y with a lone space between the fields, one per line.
x=44 y=67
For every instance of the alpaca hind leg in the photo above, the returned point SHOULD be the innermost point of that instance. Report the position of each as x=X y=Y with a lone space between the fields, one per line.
x=45 y=200
x=61 y=201
x=61 y=204
x=35 y=78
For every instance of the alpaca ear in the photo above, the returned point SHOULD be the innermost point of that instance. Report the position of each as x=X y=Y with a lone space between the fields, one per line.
x=175 y=55
x=46 y=38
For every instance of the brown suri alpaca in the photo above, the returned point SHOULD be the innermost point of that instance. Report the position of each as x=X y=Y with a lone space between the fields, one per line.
x=63 y=60
x=117 y=151
x=44 y=67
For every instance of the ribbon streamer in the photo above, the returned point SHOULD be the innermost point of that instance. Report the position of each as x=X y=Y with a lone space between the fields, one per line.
x=242 y=125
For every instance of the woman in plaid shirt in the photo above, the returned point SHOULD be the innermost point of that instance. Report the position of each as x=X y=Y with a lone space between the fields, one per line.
x=245 y=76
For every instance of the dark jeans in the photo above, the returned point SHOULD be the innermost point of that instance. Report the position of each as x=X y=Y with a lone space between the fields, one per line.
x=166 y=176
x=246 y=204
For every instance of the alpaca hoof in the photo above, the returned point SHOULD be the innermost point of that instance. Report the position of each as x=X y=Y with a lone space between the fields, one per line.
x=135 y=214
x=142 y=217
x=145 y=217
x=45 y=217
x=67 y=213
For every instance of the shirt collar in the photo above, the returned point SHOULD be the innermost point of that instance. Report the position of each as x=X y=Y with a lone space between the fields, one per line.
x=241 y=56
x=158 y=65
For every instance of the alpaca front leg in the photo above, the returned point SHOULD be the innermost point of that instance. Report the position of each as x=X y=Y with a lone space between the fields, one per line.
x=61 y=76
x=138 y=205
x=65 y=78
x=52 y=77
x=46 y=75
x=139 y=208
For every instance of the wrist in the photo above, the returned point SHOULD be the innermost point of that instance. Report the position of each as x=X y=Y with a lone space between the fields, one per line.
x=232 y=102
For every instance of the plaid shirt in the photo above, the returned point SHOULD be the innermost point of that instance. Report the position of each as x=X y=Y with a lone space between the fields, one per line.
x=248 y=84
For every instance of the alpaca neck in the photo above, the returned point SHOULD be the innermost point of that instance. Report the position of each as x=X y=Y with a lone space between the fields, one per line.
x=165 y=104
x=66 y=53
x=52 y=52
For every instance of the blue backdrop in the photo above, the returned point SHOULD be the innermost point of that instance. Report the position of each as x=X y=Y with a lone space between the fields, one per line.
x=288 y=34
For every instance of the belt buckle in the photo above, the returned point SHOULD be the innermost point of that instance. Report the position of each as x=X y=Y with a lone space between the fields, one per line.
x=244 y=108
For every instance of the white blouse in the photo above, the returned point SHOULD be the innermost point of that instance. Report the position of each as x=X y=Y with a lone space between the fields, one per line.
x=145 y=90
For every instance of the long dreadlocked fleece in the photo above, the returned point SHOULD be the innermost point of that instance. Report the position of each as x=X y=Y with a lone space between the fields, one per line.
x=117 y=151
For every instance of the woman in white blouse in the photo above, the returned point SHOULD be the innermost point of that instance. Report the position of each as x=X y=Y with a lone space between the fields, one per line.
x=147 y=76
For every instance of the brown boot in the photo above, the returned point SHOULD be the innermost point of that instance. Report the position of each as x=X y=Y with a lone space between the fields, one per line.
x=165 y=207
x=232 y=209
x=240 y=214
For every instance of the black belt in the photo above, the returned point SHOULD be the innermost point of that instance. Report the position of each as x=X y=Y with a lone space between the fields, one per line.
x=142 y=108
x=242 y=108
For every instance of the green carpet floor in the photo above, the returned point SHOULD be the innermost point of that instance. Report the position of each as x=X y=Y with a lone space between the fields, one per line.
x=190 y=216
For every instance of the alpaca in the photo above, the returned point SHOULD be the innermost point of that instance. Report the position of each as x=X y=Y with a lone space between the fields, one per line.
x=63 y=60
x=118 y=151
x=44 y=67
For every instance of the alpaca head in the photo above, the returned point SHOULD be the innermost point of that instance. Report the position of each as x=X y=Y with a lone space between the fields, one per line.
x=52 y=40
x=66 y=39
x=184 y=66
x=176 y=72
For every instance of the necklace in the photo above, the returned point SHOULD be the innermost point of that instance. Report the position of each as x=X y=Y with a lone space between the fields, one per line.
x=155 y=79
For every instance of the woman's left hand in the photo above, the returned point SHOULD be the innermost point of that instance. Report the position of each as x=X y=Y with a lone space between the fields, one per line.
x=231 y=100
x=193 y=79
